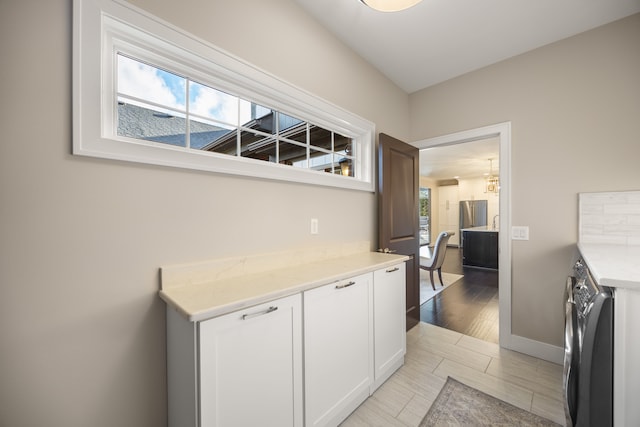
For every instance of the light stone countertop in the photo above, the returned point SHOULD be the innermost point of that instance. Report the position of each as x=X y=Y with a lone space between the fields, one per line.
x=617 y=266
x=204 y=298
x=482 y=228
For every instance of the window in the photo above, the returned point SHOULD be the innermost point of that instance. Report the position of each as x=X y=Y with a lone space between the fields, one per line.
x=160 y=106
x=424 y=213
x=168 y=98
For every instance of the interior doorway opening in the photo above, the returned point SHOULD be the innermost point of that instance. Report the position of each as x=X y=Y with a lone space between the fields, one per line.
x=465 y=200
x=502 y=133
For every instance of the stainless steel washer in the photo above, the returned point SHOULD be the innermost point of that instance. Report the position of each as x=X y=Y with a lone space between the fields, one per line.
x=588 y=357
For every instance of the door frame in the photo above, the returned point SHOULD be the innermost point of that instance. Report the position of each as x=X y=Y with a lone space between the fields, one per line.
x=503 y=132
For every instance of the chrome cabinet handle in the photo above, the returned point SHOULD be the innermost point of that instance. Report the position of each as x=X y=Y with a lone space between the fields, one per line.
x=391 y=270
x=346 y=285
x=260 y=313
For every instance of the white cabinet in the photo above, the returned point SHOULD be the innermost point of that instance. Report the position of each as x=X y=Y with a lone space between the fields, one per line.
x=389 y=322
x=250 y=369
x=626 y=357
x=449 y=212
x=307 y=359
x=338 y=345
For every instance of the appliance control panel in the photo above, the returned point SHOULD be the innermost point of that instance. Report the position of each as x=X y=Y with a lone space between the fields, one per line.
x=584 y=289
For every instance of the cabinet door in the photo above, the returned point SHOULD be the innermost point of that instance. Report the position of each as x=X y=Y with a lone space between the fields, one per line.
x=480 y=249
x=389 y=322
x=251 y=366
x=449 y=212
x=338 y=345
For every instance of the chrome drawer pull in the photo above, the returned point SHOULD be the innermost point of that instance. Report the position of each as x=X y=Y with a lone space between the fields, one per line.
x=391 y=270
x=261 y=313
x=345 y=285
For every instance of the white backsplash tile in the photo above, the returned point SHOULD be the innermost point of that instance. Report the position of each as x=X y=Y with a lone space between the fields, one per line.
x=622 y=209
x=592 y=208
x=610 y=218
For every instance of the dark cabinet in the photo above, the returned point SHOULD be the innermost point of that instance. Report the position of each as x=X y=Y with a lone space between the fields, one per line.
x=480 y=249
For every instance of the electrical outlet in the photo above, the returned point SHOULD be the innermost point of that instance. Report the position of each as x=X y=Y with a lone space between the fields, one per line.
x=314 y=226
x=520 y=232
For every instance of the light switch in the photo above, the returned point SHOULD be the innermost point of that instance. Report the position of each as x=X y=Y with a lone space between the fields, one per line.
x=314 y=225
x=520 y=232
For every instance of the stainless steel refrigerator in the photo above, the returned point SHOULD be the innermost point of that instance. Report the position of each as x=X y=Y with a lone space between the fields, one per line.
x=473 y=213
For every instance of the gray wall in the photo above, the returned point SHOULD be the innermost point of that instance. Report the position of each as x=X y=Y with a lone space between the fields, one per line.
x=81 y=325
x=574 y=107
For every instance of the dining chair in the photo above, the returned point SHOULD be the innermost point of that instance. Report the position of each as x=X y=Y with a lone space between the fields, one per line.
x=437 y=257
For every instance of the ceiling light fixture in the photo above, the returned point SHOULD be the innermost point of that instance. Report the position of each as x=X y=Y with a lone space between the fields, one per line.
x=390 y=5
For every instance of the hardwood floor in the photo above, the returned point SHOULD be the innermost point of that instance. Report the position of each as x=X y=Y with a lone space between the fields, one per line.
x=469 y=306
x=433 y=353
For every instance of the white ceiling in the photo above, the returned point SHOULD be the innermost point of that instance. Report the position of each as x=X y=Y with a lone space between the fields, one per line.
x=463 y=161
x=437 y=40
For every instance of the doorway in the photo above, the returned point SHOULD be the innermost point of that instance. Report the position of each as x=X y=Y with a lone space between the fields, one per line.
x=465 y=187
x=503 y=134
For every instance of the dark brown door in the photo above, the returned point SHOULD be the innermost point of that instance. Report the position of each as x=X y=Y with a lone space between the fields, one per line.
x=398 y=222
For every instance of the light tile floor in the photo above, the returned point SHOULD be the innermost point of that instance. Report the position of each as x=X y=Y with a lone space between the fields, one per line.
x=433 y=353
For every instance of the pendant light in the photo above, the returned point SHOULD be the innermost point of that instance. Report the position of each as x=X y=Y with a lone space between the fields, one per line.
x=390 y=5
x=492 y=183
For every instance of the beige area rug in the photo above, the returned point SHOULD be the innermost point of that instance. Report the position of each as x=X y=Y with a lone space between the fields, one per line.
x=427 y=292
x=461 y=405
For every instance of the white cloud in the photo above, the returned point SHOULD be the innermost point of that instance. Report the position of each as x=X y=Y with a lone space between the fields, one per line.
x=144 y=82
x=150 y=84
x=214 y=104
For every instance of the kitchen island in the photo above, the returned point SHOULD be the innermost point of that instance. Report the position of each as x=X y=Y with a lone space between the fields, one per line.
x=480 y=247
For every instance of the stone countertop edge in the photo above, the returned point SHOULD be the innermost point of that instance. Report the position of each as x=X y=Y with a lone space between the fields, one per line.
x=616 y=266
x=202 y=301
x=482 y=229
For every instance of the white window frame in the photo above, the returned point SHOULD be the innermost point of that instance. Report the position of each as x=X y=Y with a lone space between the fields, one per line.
x=102 y=28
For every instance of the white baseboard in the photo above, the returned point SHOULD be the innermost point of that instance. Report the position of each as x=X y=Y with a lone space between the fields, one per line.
x=541 y=350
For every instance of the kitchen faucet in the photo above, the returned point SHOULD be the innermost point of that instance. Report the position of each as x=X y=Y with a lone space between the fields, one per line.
x=494 y=221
